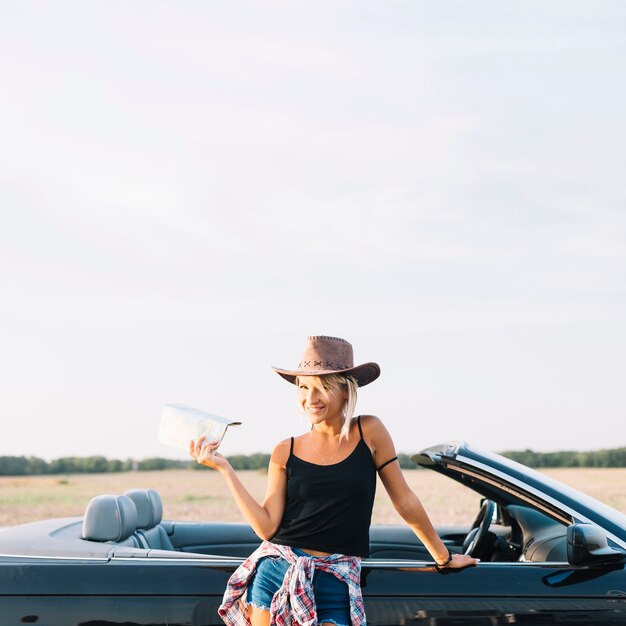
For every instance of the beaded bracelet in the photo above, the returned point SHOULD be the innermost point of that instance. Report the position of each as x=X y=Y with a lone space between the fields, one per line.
x=438 y=565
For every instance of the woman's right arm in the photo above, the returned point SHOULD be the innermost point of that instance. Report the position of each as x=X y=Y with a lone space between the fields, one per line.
x=264 y=518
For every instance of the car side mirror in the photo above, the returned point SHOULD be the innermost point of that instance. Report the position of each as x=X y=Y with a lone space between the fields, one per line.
x=587 y=545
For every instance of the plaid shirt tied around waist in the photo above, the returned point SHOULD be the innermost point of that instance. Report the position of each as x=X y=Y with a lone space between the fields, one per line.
x=294 y=603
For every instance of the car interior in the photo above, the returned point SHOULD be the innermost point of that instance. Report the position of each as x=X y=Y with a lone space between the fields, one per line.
x=131 y=525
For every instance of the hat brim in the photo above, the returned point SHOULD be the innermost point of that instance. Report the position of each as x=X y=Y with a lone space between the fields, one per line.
x=364 y=374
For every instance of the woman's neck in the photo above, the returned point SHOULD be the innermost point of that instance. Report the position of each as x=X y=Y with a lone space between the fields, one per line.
x=329 y=428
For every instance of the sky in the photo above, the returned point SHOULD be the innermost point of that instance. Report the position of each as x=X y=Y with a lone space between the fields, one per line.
x=190 y=189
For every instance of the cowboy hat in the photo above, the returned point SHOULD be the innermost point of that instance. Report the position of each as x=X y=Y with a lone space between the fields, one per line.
x=330 y=355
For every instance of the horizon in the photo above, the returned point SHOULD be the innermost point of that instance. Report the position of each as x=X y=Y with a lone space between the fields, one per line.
x=267 y=453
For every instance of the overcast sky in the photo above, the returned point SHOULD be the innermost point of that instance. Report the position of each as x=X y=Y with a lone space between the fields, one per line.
x=189 y=189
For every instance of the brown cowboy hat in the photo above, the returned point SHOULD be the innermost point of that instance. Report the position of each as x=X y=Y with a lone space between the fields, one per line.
x=330 y=355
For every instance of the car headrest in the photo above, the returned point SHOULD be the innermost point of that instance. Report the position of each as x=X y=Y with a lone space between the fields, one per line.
x=149 y=506
x=109 y=518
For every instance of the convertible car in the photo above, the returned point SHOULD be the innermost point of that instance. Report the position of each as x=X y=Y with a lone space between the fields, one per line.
x=549 y=555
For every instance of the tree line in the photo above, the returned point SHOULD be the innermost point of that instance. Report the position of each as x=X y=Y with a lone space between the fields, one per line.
x=31 y=466
x=615 y=457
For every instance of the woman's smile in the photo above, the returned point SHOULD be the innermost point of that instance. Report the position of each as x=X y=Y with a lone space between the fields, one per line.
x=320 y=402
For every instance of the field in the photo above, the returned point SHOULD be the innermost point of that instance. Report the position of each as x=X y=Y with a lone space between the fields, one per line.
x=201 y=494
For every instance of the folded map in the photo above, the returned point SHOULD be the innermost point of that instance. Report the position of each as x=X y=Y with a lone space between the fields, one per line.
x=181 y=423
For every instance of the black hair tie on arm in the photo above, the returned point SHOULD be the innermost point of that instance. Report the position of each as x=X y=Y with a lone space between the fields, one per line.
x=395 y=458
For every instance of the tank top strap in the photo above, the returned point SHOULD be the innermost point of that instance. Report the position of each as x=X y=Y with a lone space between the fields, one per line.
x=291 y=447
x=358 y=421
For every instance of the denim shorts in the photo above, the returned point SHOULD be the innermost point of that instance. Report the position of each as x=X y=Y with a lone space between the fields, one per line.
x=331 y=594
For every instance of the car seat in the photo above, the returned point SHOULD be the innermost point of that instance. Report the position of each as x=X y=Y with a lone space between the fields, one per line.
x=111 y=519
x=150 y=533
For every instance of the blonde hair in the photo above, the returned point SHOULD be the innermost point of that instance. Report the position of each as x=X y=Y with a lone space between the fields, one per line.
x=349 y=384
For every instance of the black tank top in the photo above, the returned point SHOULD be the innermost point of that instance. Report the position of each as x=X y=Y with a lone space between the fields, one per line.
x=329 y=507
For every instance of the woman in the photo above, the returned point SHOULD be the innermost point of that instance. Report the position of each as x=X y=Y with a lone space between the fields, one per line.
x=315 y=518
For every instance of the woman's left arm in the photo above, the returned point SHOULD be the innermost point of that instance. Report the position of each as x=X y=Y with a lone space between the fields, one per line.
x=404 y=500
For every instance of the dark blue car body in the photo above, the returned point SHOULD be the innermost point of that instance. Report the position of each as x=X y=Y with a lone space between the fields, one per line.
x=550 y=555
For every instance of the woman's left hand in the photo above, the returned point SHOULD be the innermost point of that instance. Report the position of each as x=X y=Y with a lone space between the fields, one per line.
x=460 y=560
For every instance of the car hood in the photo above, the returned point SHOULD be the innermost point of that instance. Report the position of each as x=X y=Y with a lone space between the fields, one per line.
x=507 y=481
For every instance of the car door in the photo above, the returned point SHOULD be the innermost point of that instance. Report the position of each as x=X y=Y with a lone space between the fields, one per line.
x=493 y=593
x=149 y=591
x=134 y=591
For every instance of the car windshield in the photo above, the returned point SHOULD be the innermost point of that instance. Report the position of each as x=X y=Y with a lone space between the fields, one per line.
x=579 y=501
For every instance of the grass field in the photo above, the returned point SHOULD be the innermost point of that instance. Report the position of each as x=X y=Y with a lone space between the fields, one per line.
x=201 y=495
